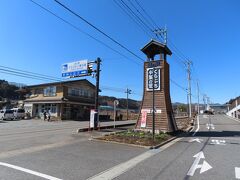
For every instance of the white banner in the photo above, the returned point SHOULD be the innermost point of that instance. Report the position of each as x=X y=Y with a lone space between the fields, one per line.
x=75 y=68
x=92 y=114
x=144 y=119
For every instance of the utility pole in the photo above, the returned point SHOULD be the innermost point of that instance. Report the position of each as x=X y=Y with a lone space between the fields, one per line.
x=204 y=101
x=198 y=98
x=162 y=32
x=98 y=62
x=208 y=103
x=189 y=63
x=128 y=92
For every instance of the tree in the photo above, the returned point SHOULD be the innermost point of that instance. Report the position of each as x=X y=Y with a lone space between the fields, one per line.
x=182 y=108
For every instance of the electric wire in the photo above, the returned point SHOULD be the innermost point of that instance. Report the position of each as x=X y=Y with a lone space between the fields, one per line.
x=83 y=32
x=99 y=30
x=143 y=17
x=151 y=19
x=137 y=17
x=94 y=28
x=133 y=18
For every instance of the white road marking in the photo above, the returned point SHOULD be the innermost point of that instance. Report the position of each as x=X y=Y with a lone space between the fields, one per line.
x=29 y=171
x=210 y=126
x=218 y=142
x=237 y=172
x=204 y=167
x=196 y=139
x=205 y=116
x=125 y=166
x=197 y=126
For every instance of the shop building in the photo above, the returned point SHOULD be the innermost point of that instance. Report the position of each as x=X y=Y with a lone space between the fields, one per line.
x=68 y=100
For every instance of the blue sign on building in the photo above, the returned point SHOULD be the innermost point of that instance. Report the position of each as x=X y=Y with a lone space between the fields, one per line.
x=77 y=68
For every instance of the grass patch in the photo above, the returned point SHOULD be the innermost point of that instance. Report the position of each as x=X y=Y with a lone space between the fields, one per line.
x=137 y=137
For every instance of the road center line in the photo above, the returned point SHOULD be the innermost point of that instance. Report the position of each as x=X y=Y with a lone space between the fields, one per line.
x=125 y=166
x=29 y=171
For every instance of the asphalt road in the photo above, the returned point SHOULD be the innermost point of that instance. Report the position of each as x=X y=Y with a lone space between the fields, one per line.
x=216 y=147
x=55 y=151
x=34 y=149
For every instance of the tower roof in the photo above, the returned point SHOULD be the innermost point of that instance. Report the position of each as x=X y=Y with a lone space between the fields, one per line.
x=154 y=47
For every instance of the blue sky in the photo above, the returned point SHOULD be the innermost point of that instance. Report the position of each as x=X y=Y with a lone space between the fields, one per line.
x=206 y=32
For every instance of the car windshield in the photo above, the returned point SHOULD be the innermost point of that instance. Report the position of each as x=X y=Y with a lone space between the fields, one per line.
x=9 y=111
x=21 y=111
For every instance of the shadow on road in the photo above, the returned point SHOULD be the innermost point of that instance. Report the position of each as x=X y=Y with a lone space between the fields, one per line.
x=214 y=134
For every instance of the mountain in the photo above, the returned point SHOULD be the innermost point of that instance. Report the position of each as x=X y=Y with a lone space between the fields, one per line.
x=109 y=101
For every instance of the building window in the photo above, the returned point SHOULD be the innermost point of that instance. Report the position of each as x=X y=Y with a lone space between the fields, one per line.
x=53 y=108
x=79 y=92
x=38 y=91
x=49 y=91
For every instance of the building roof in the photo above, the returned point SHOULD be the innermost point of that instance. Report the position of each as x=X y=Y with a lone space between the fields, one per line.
x=154 y=47
x=63 y=83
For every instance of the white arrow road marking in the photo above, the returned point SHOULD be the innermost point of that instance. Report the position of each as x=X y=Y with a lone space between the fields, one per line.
x=218 y=142
x=196 y=139
x=28 y=171
x=204 y=167
x=237 y=172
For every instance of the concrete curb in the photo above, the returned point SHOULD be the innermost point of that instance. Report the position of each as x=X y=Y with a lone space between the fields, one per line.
x=171 y=139
x=104 y=127
x=114 y=142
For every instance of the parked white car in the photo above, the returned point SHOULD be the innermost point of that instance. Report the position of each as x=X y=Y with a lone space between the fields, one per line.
x=6 y=114
x=18 y=113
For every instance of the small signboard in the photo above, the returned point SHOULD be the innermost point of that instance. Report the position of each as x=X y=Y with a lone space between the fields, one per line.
x=144 y=119
x=77 y=68
x=92 y=118
x=149 y=79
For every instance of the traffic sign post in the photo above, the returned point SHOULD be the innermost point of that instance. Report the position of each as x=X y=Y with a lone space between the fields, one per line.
x=85 y=68
x=116 y=102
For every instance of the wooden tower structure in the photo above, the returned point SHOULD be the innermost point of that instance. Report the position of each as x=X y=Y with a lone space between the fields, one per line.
x=157 y=87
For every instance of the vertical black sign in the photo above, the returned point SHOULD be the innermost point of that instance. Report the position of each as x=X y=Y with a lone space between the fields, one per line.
x=149 y=79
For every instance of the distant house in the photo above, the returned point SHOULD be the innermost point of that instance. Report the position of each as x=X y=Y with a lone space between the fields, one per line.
x=234 y=108
x=68 y=100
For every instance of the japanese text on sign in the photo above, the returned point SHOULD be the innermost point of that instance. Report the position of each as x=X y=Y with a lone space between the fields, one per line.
x=149 y=79
x=76 y=68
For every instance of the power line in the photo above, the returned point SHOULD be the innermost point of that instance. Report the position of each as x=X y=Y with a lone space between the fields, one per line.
x=181 y=87
x=16 y=74
x=92 y=36
x=133 y=18
x=139 y=12
x=134 y=14
x=151 y=19
x=30 y=73
x=178 y=53
x=96 y=28
x=83 y=32
x=26 y=75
